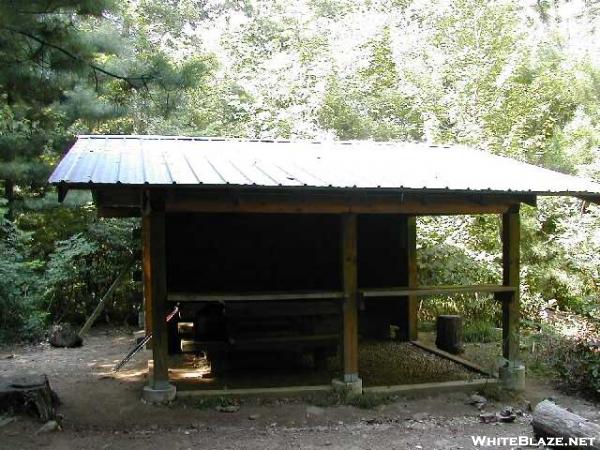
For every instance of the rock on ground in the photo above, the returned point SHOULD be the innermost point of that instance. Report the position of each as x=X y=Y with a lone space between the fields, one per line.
x=64 y=336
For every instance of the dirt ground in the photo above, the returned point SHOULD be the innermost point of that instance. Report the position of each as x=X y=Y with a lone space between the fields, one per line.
x=103 y=412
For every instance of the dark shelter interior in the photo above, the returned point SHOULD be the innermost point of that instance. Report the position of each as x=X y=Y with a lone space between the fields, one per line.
x=266 y=253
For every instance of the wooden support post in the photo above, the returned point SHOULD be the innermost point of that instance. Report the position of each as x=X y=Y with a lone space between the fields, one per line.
x=511 y=235
x=411 y=253
x=146 y=278
x=512 y=372
x=350 y=307
x=155 y=292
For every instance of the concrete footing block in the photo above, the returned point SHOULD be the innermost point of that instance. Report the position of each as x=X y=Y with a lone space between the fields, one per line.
x=512 y=376
x=348 y=388
x=138 y=336
x=159 y=394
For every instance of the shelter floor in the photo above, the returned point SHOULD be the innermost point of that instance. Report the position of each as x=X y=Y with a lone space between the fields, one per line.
x=381 y=363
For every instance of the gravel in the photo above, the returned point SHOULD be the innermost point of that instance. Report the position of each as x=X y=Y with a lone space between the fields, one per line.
x=390 y=363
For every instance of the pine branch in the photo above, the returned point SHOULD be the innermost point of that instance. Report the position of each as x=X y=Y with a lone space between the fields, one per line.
x=129 y=80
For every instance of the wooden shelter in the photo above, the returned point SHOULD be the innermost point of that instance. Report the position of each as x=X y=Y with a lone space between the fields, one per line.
x=305 y=244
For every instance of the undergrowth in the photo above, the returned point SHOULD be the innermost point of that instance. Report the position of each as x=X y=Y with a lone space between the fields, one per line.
x=480 y=331
x=218 y=401
x=367 y=400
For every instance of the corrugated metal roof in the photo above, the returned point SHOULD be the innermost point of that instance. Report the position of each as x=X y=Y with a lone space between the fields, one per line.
x=169 y=160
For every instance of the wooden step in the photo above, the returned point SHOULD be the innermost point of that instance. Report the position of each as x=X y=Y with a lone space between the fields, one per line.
x=268 y=343
x=185 y=329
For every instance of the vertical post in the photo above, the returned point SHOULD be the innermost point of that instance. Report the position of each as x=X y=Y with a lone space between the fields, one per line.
x=155 y=284
x=411 y=256
x=513 y=372
x=350 y=307
x=146 y=278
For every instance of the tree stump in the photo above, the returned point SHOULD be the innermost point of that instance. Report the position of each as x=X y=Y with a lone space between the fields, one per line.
x=550 y=420
x=30 y=394
x=449 y=334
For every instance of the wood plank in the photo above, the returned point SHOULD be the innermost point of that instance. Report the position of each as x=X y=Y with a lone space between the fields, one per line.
x=296 y=338
x=193 y=346
x=511 y=239
x=287 y=308
x=199 y=390
x=453 y=358
x=428 y=389
x=350 y=307
x=411 y=256
x=319 y=205
x=253 y=297
x=269 y=207
x=119 y=196
x=155 y=271
x=125 y=201
x=434 y=290
x=334 y=295
x=267 y=343
x=185 y=329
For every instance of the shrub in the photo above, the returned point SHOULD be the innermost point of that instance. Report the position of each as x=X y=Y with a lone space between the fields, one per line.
x=83 y=266
x=577 y=363
x=55 y=262
x=20 y=314
x=574 y=360
x=477 y=330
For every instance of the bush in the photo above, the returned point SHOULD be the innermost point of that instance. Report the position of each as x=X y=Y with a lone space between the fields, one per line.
x=574 y=360
x=83 y=266
x=577 y=363
x=21 y=316
x=55 y=263
x=480 y=331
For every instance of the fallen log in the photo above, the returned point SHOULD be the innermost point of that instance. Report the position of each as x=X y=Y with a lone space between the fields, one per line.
x=28 y=394
x=550 y=420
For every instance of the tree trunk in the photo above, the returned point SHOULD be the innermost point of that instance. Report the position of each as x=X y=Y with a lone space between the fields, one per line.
x=9 y=195
x=550 y=420
x=449 y=334
x=9 y=190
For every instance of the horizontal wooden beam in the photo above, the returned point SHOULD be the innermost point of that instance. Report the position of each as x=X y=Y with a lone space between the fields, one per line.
x=240 y=297
x=272 y=208
x=269 y=342
x=334 y=295
x=127 y=202
x=434 y=290
x=309 y=205
x=590 y=198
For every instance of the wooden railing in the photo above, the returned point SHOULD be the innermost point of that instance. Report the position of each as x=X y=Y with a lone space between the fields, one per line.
x=422 y=291
x=253 y=297
x=435 y=290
